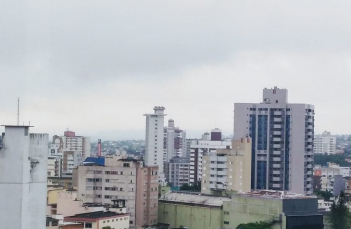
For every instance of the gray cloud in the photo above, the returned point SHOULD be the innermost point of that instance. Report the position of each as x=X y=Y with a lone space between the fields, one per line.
x=98 y=66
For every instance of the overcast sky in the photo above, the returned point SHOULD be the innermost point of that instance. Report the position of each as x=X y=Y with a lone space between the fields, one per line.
x=97 y=66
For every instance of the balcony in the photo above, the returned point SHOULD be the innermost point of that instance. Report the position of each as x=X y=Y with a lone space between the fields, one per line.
x=277 y=139
x=217 y=186
x=277 y=132
x=221 y=166
x=276 y=146
x=276 y=179
x=277 y=152
x=276 y=186
x=277 y=159
x=277 y=126
x=277 y=119
x=276 y=172
x=218 y=179
x=215 y=172
x=276 y=165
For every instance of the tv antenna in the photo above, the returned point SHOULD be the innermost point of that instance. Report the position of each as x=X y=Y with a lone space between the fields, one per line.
x=18 y=111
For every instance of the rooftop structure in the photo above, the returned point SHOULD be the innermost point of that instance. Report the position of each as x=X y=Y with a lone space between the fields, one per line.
x=101 y=219
x=193 y=198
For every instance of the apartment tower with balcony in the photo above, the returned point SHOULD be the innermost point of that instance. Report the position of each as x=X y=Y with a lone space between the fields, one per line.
x=282 y=141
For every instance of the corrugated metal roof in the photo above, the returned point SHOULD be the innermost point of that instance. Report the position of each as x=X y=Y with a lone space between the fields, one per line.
x=194 y=198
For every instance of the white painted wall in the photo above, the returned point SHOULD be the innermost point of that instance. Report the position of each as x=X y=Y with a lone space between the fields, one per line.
x=22 y=188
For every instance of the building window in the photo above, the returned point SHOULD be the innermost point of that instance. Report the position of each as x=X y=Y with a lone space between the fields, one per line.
x=226 y=213
x=226 y=222
x=130 y=222
x=88 y=225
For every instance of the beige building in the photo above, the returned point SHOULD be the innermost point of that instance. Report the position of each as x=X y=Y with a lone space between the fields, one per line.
x=122 y=179
x=54 y=163
x=228 y=169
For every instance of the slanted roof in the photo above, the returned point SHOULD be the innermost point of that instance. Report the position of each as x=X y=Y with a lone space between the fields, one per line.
x=189 y=198
x=94 y=216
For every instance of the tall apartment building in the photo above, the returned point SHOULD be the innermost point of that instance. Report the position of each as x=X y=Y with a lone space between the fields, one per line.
x=282 y=141
x=199 y=148
x=23 y=166
x=177 y=171
x=154 y=141
x=325 y=143
x=71 y=149
x=228 y=169
x=174 y=141
x=122 y=178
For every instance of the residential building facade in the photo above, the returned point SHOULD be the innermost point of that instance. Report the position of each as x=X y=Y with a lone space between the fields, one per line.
x=282 y=141
x=324 y=143
x=177 y=171
x=154 y=138
x=54 y=166
x=122 y=178
x=199 y=148
x=23 y=176
x=174 y=141
x=330 y=179
x=228 y=169
x=71 y=149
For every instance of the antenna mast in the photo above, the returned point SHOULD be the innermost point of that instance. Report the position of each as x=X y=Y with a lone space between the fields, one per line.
x=18 y=112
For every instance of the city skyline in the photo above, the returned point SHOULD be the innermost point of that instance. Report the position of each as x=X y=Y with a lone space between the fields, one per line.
x=98 y=77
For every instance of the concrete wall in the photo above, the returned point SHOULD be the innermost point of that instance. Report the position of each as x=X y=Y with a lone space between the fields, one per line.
x=193 y=217
x=23 y=177
x=245 y=210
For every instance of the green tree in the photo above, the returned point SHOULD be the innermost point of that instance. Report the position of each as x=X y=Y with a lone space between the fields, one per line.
x=339 y=213
x=323 y=159
x=326 y=195
x=193 y=188
x=257 y=225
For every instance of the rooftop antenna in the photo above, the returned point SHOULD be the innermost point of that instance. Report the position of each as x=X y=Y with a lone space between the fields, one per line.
x=18 y=111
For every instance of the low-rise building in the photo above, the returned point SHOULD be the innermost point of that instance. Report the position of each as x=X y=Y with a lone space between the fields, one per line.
x=228 y=169
x=281 y=209
x=52 y=223
x=100 y=219
x=191 y=210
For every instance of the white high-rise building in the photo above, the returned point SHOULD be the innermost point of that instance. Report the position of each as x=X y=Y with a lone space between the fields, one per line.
x=154 y=140
x=23 y=178
x=282 y=141
x=174 y=142
x=325 y=143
